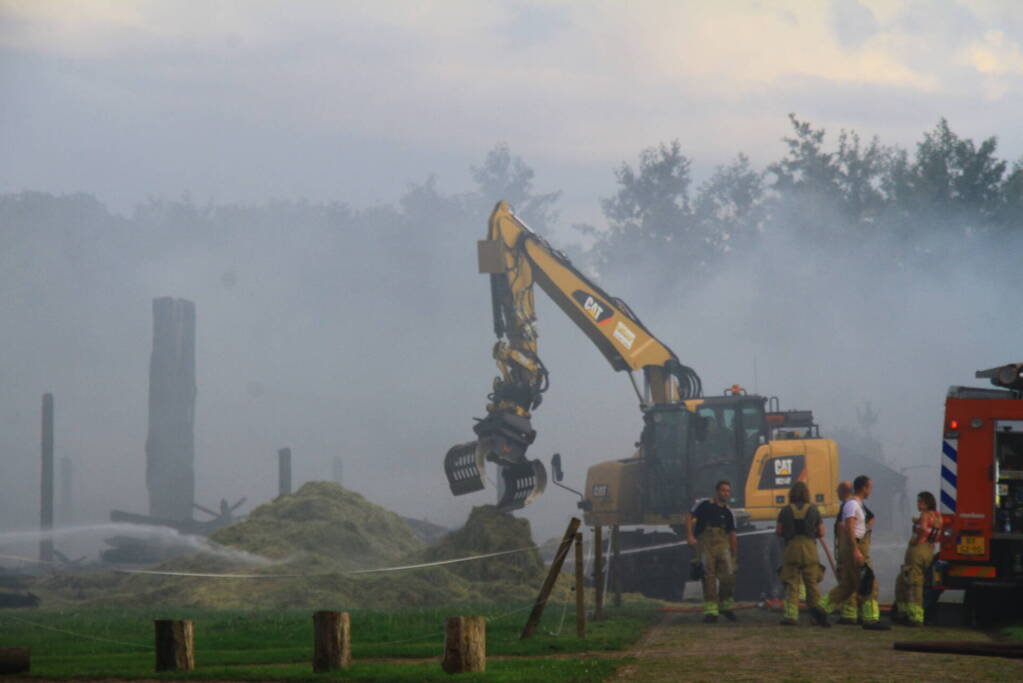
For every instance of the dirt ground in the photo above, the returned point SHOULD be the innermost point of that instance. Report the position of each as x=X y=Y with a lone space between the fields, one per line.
x=756 y=648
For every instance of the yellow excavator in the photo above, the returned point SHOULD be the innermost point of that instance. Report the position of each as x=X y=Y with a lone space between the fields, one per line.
x=515 y=257
x=688 y=441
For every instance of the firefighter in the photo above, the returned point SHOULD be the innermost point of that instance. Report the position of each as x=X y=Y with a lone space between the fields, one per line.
x=909 y=585
x=799 y=523
x=854 y=560
x=710 y=528
x=849 y=607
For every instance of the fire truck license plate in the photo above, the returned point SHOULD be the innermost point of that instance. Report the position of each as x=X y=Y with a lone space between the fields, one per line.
x=970 y=545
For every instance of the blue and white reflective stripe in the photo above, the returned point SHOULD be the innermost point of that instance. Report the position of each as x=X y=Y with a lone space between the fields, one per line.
x=949 y=473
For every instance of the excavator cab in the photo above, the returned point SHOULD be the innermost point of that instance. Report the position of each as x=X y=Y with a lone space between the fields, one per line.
x=735 y=428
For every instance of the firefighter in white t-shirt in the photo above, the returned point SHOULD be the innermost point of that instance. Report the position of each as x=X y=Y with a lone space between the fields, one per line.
x=854 y=561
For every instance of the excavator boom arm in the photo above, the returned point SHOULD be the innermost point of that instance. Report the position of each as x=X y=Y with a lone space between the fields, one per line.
x=515 y=258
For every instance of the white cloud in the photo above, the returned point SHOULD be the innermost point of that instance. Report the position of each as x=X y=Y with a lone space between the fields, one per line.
x=564 y=83
x=995 y=55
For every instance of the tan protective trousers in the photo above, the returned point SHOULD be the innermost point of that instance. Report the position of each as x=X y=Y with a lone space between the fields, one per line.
x=800 y=566
x=849 y=580
x=909 y=585
x=718 y=569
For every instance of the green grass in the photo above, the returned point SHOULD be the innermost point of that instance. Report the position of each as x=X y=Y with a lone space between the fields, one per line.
x=241 y=645
x=1014 y=632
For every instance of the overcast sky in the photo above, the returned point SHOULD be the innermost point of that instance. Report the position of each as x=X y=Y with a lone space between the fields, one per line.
x=352 y=101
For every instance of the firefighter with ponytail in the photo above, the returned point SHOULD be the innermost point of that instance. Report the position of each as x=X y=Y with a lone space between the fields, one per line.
x=909 y=586
x=799 y=523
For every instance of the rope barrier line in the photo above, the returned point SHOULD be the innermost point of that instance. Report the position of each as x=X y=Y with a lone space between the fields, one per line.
x=443 y=562
x=352 y=572
x=675 y=544
x=73 y=633
x=29 y=559
x=568 y=562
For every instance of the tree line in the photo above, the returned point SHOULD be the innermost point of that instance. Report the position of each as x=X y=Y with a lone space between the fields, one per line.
x=660 y=223
x=847 y=196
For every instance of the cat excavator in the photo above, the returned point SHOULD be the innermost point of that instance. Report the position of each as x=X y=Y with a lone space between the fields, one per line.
x=515 y=257
x=688 y=441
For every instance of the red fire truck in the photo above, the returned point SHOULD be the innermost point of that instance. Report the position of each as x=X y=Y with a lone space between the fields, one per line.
x=982 y=488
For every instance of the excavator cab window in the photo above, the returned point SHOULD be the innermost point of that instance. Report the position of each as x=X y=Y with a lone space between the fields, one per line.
x=753 y=428
x=716 y=456
x=700 y=428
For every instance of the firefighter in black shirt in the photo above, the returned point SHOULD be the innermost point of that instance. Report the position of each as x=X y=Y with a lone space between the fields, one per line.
x=710 y=527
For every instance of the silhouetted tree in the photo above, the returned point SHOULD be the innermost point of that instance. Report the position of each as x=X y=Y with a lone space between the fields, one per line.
x=651 y=220
x=503 y=176
x=730 y=208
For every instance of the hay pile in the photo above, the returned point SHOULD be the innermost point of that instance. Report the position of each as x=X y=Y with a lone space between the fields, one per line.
x=321 y=532
x=326 y=521
x=487 y=531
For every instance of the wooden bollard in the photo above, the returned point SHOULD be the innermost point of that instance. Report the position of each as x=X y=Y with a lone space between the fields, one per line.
x=580 y=589
x=332 y=649
x=175 y=645
x=465 y=645
x=15 y=660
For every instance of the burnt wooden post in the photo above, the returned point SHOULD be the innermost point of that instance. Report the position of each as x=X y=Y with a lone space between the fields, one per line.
x=284 y=472
x=580 y=589
x=552 y=576
x=465 y=645
x=598 y=572
x=15 y=660
x=66 y=513
x=46 y=483
x=170 y=444
x=175 y=645
x=616 y=566
x=337 y=469
x=332 y=646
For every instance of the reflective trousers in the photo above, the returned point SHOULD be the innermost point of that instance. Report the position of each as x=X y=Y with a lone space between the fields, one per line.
x=909 y=585
x=851 y=607
x=800 y=568
x=718 y=569
x=849 y=581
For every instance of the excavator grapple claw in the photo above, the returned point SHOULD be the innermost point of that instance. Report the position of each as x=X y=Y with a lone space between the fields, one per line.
x=521 y=484
x=463 y=466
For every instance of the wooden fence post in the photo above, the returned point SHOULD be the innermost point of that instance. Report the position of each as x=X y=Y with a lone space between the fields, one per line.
x=465 y=645
x=616 y=566
x=175 y=645
x=332 y=647
x=598 y=572
x=15 y=660
x=552 y=576
x=580 y=589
